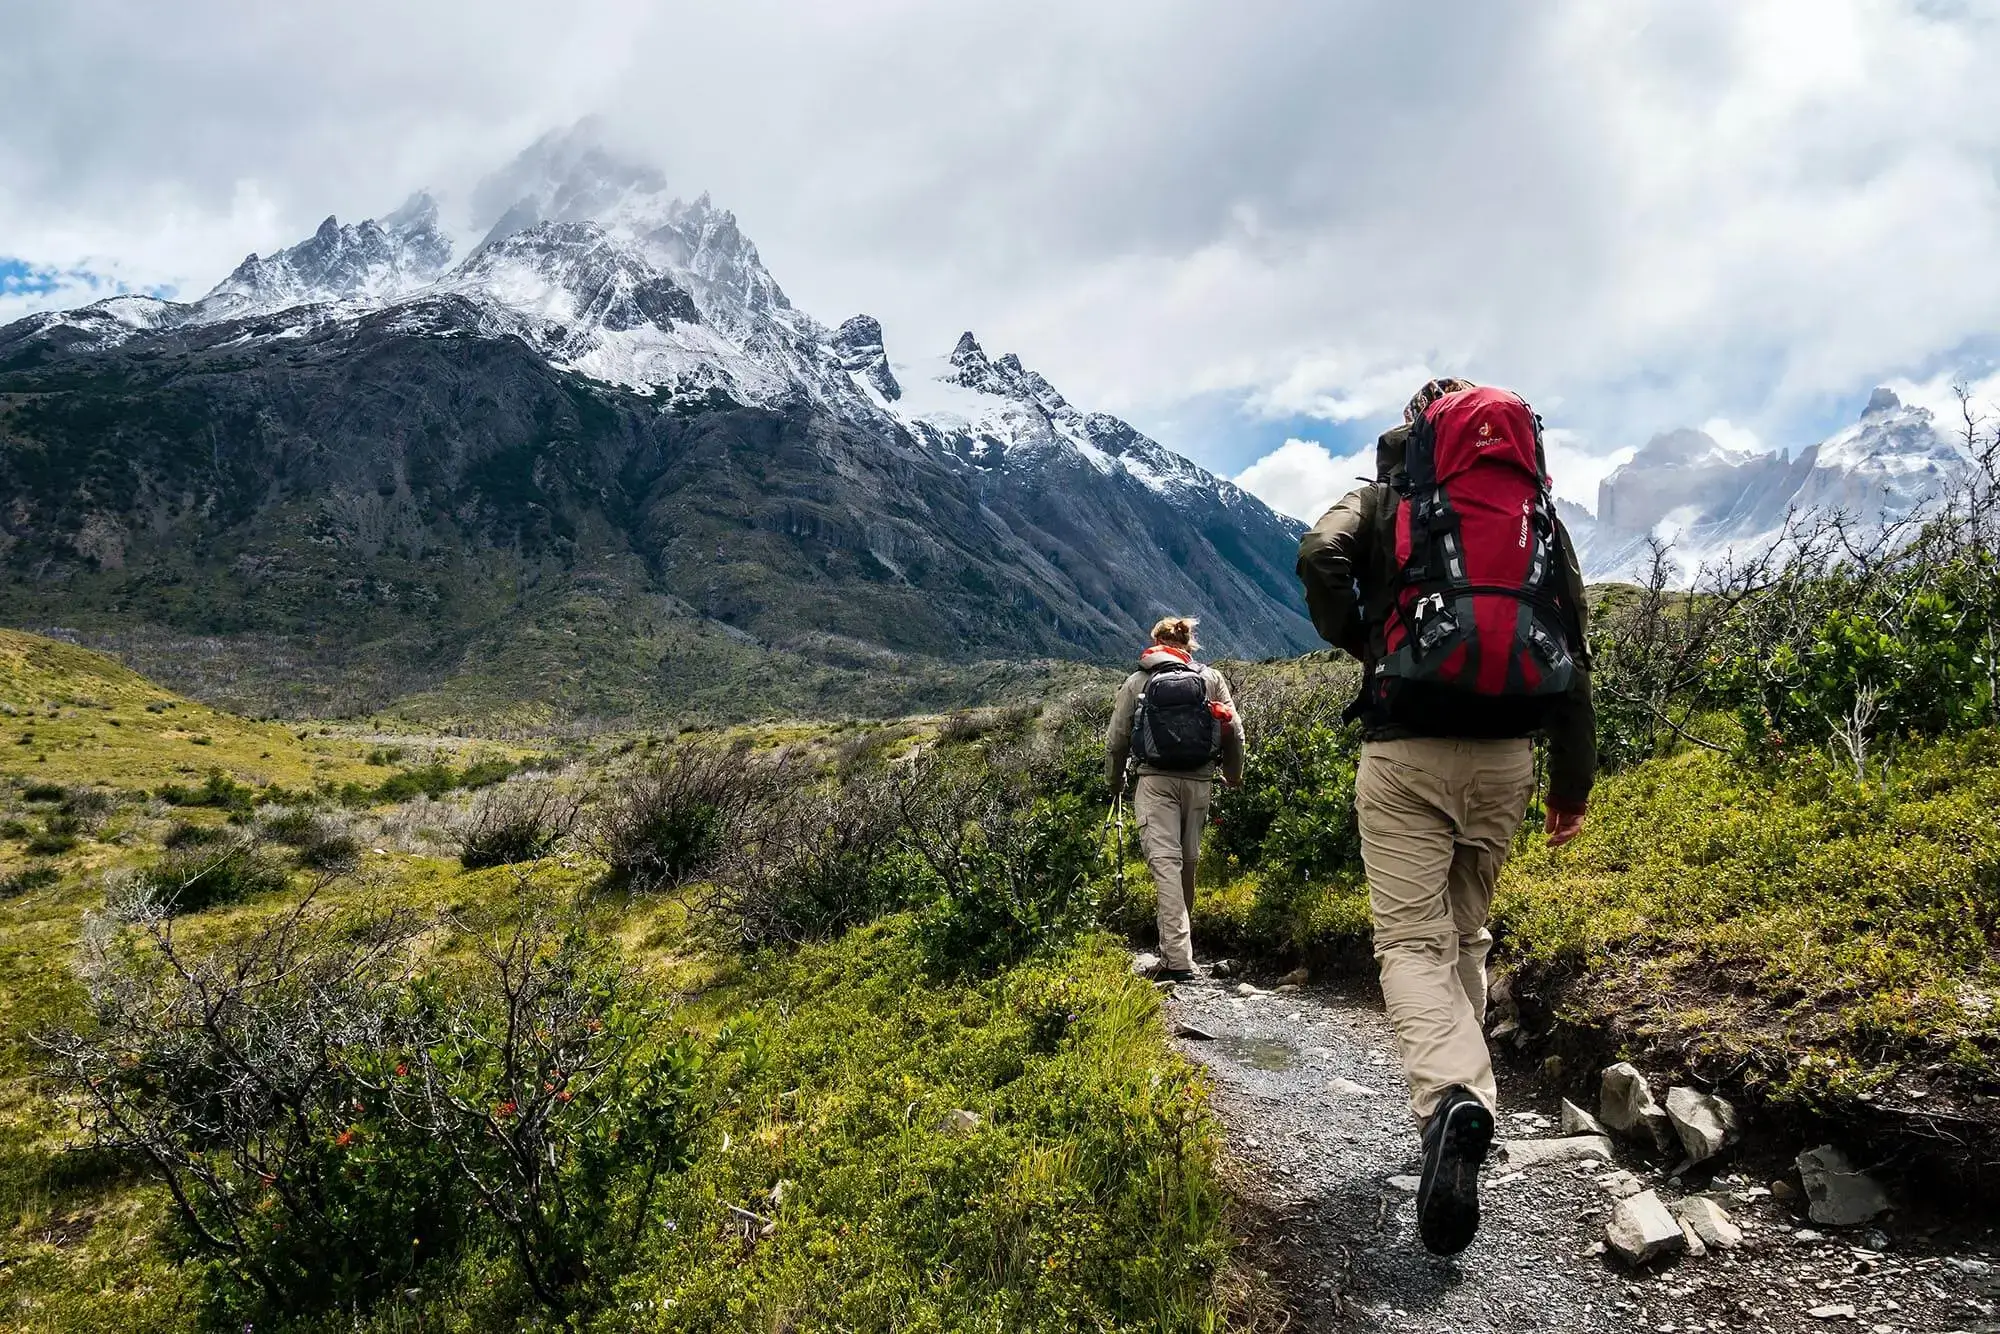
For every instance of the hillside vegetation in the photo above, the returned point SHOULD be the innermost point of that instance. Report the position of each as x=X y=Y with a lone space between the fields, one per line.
x=795 y=1027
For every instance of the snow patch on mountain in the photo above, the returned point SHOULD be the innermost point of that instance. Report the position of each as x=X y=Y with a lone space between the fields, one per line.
x=370 y=263
x=1711 y=503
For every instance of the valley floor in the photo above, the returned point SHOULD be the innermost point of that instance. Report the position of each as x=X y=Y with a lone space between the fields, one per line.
x=1307 y=1085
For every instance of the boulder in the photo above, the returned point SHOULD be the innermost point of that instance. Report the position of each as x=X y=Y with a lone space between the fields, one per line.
x=1298 y=977
x=1696 y=1247
x=1525 y=1153
x=1642 y=1230
x=1709 y=1221
x=1836 y=1194
x=1626 y=1105
x=1705 y=1123
x=1146 y=964
x=1576 y=1121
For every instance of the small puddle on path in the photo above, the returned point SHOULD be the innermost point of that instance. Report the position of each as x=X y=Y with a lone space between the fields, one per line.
x=1261 y=1053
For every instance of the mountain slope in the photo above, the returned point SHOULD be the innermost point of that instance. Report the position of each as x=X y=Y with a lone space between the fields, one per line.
x=598 y=464
x=1709 y=501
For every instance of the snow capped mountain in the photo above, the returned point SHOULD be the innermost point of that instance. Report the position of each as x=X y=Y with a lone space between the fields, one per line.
x=1709 y=500
x=370 y=263
x=995 y=414
x=641 y=389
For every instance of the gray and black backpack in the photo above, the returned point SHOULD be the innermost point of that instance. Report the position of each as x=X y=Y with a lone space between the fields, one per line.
x=1175 y=728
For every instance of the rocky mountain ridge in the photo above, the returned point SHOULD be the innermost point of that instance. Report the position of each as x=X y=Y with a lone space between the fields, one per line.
x=359 y=436
x=1710 y=502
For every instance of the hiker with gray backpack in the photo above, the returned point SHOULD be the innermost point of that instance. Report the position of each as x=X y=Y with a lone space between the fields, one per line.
x=1175 y=723
x=1451 y=579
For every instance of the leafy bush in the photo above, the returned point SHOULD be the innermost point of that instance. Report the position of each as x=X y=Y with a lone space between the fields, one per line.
x=218 y=790
x=822 y=862
x=191 y=878
x=44 y=792
x=517 y=823
x=673 y=822
x=27 y=881
x=229 y=1075
x=1293 y=820
x=56 y=837
x=323 y=841
x=185 y=834
x=329 y=1130
x=1010 y=870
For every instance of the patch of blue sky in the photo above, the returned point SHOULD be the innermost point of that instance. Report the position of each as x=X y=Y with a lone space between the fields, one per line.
x=23 y=278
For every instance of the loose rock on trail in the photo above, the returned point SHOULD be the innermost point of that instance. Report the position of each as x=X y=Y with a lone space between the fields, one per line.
x=1316 y=1111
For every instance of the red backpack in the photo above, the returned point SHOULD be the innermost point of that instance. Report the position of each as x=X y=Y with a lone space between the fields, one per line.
x=1473 y=636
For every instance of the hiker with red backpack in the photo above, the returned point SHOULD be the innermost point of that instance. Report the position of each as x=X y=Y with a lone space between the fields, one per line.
x=1175 y=721
x=1452 y=580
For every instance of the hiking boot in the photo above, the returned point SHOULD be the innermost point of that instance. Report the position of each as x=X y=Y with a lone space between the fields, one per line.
x=1455 y=1144
x=1178 y=975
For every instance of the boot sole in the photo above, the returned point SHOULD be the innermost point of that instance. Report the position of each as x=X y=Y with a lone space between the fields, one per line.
x=1448 y=1199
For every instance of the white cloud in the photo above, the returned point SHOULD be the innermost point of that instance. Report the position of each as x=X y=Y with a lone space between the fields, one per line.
x=1303 y=479
x=1730 y=436
x=1647 y=214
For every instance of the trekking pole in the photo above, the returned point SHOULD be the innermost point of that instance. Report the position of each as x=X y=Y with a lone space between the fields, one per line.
x=1118 y=853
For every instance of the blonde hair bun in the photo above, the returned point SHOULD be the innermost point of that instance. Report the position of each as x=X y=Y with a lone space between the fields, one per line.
x=1176 y=630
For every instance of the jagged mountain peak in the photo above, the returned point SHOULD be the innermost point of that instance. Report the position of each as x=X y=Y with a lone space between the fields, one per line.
x=858 y=349
x=368 y=261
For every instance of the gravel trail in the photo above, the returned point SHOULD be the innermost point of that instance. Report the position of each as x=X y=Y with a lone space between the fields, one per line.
x=1307 y=1084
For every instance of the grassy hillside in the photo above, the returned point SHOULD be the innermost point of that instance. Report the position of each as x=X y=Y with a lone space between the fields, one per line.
x=73 y=716
x=864 y=1130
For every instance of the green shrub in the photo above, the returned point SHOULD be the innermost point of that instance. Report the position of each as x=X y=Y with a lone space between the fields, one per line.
x=519 y=823
x=218 y=790
x=27 y=881
x=56 y=837
x=44 y=792
x=191 y=878
x=184 y=834
x=1010 y=872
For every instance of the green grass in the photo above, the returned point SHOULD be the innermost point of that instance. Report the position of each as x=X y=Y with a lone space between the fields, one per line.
x=1843 y=938
x=77 y=717
x=1086 y=1196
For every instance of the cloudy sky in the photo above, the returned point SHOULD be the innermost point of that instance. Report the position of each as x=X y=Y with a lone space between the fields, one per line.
x=1250 y=228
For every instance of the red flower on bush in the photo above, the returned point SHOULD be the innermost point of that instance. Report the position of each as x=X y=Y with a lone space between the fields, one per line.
x=505 y=1109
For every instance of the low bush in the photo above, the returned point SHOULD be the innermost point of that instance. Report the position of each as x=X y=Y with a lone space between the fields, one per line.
x=218 y=790
x=44 y=792
x=823 y=861
x=321 y=840
x=331 y=1130
x=191 y=878
x=184 y=834
x=673 y=822
x=1009 y=872
x=28 y=881
x=518 y=822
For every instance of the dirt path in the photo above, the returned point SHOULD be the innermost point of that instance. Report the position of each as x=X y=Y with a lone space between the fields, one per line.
x=1307 y=1084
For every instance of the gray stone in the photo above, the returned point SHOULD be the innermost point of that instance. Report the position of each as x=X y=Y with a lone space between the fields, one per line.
x=1619 y=1185
x=958 y=1121
x=1696 y=1247
x=1407 y=1183
x=1347 y=1088
x=1576 y=1121
x=1836 y=1194
x=1298 y=977
x=1195 y=1031
x=1525 y=1153
x=1710 y=1221
x=1626 y=1105
x=1146 y=964
x=1832 y=1311
x=1642 y=1230
x=1222 y=968
x=1247 y=990
x=1705 y=1123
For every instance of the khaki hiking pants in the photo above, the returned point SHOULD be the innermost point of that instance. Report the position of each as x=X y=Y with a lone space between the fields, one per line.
x=1437 y=817
x=1171 y=811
